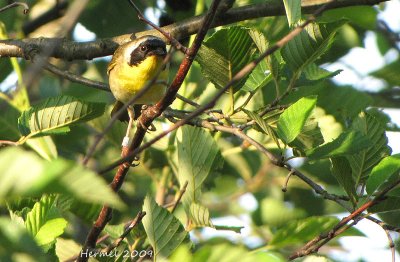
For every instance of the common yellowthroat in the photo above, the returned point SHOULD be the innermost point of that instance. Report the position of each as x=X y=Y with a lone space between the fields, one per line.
x=132 y=66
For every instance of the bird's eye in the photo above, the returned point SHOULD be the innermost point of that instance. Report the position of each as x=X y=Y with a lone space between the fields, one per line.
x=143 y=48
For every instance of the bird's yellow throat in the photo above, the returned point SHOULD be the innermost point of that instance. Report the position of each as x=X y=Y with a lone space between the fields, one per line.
x=126 y=80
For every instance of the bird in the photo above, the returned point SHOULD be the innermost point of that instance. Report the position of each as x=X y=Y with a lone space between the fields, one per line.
x=132 y=66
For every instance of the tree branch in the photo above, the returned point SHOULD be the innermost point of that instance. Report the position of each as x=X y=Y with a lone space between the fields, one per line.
x=15 y=4
x=152 y=112
x=70 y=50
x=314 y=245
x=106 y=212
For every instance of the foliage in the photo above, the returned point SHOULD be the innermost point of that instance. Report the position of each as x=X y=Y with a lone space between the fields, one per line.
x=231 y=161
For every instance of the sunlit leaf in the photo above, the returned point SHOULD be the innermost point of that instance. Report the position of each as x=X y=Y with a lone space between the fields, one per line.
x=363 y=16
x=309 y=137
x=200 y=216
x=15 y=239
x=314 y=72
x=223 y=252
x=163 y=229
x=225 y=53
x=382 y=171
x=293 y=11
x=44 y=146
x=300 y=231
x=292 y=120
x=263 y=124
x=276 y=214
x=65 y=248
x=44 y=222
x=259 y=77
x=272 y=61
x=59 y=176
x=55 y=115
x=363 y=162
x=198 y=155
x=346 y=144
x=309 y=45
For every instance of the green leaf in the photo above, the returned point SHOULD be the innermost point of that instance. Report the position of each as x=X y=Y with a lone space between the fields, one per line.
x=258 y=78
x=15 y=239
x=44 y=146
x=341 y=170
x=200 y=216
x=292 y=120
x=309 y=137
x=263 y=124
x=225 y=53
x=347 y=143
x=389 y=73
x=343 y=102
x=56 y=114
x=198 y=155
x=275 y=213
x=44 y=222
x=236 y=229
x=363 y=16
x=293 y=11
x=315 y=73
x=363 y=162
x=272 y=61
x=65 y=248
x=309 y=45
x=390 y=203
x=8 y=122
x=164 y=231
x=383 y=43
x=224 y=252
x=59 y=176
x=298 y=232
x=82 y=183
x=382 y=171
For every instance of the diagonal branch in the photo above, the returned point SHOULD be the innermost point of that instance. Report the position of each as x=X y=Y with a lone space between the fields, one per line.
x=313 y=245
x=152 y=112
x=70 y=50
x=106 y=212
x=15 y=4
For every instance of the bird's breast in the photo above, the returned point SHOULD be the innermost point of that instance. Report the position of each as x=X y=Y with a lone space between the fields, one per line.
x=126 y=81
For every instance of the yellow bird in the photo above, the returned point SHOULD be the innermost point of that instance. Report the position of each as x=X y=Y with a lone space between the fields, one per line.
x=133 y=65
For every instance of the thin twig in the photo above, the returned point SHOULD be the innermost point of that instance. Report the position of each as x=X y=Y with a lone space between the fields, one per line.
x=274 y=159
x=187 y=101
x=167 y=35
x=106 y=212
x=154 y=111
x=15 y=4
x=114 y=118
x=181 y=192
x=71 y=50
x=313 y=245
x=285 y=185
x=76 y=78
x=50 y=15
x=128 y=229
x=389 y=237
x=8 y=143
